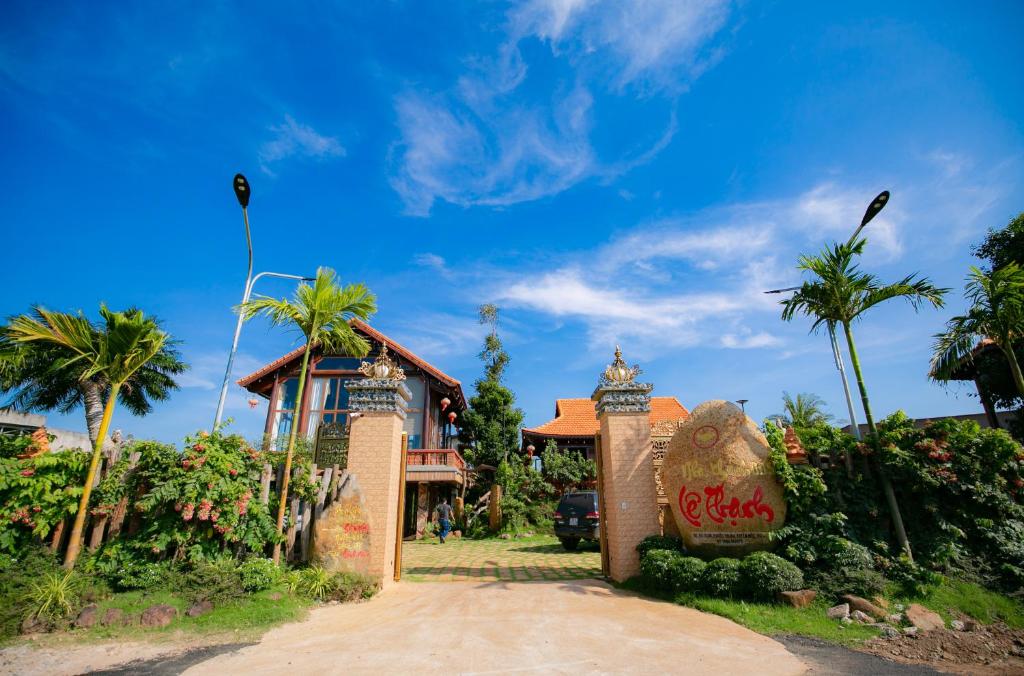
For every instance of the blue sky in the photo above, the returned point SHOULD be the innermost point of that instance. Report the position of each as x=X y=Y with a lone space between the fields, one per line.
x=604 y=172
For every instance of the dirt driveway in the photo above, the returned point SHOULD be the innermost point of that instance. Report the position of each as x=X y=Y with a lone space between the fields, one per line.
x=573 y=626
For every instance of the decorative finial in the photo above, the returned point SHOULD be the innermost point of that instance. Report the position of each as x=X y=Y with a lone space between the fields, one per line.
x=618 y=373
x=383 y=367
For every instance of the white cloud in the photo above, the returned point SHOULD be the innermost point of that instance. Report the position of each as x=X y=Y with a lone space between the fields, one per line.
x=489 y=140
x=292 y=139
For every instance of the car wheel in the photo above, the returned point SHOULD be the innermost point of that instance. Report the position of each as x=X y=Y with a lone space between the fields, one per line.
x=570 y=543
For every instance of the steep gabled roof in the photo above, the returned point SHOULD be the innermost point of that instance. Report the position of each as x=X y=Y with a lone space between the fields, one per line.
x=374 y=335
x=577 y=417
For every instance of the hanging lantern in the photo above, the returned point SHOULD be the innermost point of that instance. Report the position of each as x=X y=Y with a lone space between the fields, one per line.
x=445 y=403
x=452 y=417
x=254 y=402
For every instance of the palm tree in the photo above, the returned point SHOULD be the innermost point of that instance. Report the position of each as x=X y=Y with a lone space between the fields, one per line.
x=806 y=410
x=321 y=312
x=996 y=314
x=841 y=294
x=123 y=344
x=33 y=375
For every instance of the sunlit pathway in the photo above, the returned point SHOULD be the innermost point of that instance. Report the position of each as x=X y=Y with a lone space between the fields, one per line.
x=537 y=558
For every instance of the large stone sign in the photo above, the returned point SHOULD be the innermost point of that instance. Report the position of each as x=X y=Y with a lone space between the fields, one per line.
x=341 y=537
x=720 y=484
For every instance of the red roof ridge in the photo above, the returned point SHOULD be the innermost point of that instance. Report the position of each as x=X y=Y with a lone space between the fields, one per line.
x=575 y=417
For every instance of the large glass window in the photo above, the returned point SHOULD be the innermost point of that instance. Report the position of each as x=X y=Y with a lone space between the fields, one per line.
x=284 y=409
x=413 y=425
x=338 y=364
x=328 y=402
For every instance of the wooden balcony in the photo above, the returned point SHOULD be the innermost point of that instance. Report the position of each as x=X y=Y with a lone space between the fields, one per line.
x=440 y=465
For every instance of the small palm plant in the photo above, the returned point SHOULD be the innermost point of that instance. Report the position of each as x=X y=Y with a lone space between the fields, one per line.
x=114 y=351
x=802 y=411
x=321 y=312
x=996 y=314
x=841 y=294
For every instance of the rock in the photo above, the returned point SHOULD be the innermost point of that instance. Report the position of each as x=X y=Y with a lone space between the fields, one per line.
x=924 y=619
x=895 y=618
x=864 y=606
x=899 y=607
x=956 y=625
x=862 y=617
x=838 y=612
x=33 y=625
x=159 y=615
x=970 y=624
x=342 y=536
x=200 y=608
x=87 y=618
x=456 y=534
x=846 y=620
x=798 y=599
x=504 y=536
x=880 y=601
x=890 y=632
x=114 y=617
x=910 y=631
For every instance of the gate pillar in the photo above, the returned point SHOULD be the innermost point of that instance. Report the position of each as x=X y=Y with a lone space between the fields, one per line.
x=378 y=404
x=629 y=491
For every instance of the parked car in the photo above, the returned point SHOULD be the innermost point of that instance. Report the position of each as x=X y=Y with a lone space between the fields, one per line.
x=577 y=519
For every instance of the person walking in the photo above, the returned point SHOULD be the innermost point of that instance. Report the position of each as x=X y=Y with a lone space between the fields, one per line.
x=444 y=519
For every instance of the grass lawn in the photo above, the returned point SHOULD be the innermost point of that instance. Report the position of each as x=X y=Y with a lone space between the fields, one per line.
x=955 y=597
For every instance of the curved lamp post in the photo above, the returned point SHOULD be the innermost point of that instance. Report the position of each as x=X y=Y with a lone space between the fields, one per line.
x=242 y=193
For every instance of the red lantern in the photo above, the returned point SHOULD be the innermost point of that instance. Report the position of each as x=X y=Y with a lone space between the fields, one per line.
x=445 y=403
x=452 y=417
x=254 y=402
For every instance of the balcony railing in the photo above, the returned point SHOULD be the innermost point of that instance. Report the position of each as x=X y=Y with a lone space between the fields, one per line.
x=431 y=456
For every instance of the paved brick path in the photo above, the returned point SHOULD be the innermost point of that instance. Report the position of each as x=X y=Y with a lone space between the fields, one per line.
x=535 y=558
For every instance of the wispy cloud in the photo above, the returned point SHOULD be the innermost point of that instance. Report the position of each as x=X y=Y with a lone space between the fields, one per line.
x=491 y=140
x=292 y=139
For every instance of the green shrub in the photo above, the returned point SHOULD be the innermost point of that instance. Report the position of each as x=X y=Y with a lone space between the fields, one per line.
x=656 y=567
x=652 y=542
x=258 y=574
x=687 y=573
x=17 y=573
x=831 y=584
x=913 y=579
x=216 y=581
x=316 y=583
x=134 y=575
x=353 y=587
x=55 y=597
x=721 y=578
x=763 y=575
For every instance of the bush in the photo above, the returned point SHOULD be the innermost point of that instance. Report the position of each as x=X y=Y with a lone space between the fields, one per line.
x=721 y=578
x=56 y=596
x=135 y=575
x=656 y=568
x=353 y=587
x=216 y=581
x=863 y=582
x=319 y=584
x=763 y=575
x=258 y=574
x=16 y=576
x=652 y=542
x=688 y=571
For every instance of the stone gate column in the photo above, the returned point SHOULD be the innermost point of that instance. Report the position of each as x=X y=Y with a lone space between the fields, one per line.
x=375 y=455
x=627 y=465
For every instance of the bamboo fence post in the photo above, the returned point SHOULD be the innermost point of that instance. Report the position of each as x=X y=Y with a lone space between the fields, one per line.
x=290 y=543
x=265 y=483
x=117 y=518
x=307 y=518
x=58 y=534
x=335 y=476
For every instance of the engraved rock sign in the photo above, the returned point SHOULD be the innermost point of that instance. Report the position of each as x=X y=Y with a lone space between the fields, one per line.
x=341 y=538
x=720 y=484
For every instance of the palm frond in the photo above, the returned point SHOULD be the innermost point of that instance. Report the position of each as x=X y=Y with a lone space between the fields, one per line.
x=954 y=348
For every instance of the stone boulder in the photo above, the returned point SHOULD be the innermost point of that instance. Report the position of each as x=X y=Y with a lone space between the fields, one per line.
x=860 y=616
x=798 y=599
x=88 y=617
x=114 y=617
x=342 y=534
x=924 y=619
x=199 y=608
x=865 y=606
x=159 y=615
x=34 y=625
x=720 y=483
x=840 y=612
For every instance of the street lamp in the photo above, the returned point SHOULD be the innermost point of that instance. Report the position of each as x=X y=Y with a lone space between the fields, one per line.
x=242 y=193
x=743 y=404
x=876 y=205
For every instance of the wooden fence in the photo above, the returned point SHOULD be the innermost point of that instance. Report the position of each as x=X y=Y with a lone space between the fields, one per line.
x=298 y=535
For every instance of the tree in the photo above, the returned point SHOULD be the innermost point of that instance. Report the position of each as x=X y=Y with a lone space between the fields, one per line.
x=1003 y=246
x=43 y=377
x=566 y=471
x=841 y=294
x=321 y=312
x=805 y=411
x=113 y=352
x=492 y=422
x=996 y=314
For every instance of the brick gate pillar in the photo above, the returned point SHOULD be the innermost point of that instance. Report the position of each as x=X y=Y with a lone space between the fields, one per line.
x=375 y=455
x=630 y=494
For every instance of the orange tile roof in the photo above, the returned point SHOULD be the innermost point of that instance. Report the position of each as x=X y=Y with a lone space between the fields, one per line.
x=577 y=417
x=369 y=332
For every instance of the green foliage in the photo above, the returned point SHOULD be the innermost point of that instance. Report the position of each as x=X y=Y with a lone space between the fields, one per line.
x=36 y=493
x=1005 y=245
x=258 y=574
x=721 y=578
x=568 y=470
x=803 y=411
x=17 y=574
x=763 y=575
x=526 y=500
x=55 y=596
x=670 y=571
x=214 y=580
x=652 y=542
x=319 y=584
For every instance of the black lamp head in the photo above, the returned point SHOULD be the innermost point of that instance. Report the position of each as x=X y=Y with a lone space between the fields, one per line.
x=242 y=191
x=876 y=205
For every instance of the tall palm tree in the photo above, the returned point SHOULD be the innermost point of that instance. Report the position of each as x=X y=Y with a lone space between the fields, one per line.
x=841 y=294
x=804 y=410
x=32 y=376
x=321 y=312
x=996 y=314
x=123 y=344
